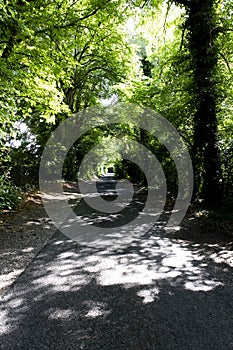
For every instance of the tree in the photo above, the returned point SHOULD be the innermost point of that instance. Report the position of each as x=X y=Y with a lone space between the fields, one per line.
x=60 y=57
x=201 y=26
x=185 y=80
x=57 y=58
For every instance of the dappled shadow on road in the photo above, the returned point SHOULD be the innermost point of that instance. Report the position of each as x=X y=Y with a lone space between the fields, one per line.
x=133 y=289
x=154 y=292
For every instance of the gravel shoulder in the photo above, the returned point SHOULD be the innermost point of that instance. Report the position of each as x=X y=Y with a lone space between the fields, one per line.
x=23 y=234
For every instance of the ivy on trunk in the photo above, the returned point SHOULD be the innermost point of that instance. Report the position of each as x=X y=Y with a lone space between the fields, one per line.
x=202 y=34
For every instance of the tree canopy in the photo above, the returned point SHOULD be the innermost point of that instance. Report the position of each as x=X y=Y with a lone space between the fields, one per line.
x=59 y=57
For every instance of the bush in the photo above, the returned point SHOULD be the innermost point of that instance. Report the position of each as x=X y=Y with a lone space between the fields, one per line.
x=224 y=212
x=10 y=195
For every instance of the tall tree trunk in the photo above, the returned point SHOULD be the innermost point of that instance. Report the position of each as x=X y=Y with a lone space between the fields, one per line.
x=204 y=56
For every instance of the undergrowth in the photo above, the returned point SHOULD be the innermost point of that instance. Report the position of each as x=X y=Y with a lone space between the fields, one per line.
x=10 y=195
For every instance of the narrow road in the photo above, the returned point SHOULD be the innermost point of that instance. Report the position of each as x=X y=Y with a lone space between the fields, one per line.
x=148 y=292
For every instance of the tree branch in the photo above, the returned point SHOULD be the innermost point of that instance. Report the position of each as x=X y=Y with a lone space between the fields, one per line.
x=182 y=39
x=226 y=61
x=76 y=22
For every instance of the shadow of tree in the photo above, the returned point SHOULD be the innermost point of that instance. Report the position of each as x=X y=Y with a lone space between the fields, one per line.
x=151 y=293
x=139 y=290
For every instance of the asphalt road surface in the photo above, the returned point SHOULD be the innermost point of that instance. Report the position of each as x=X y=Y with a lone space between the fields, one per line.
x=145 y=291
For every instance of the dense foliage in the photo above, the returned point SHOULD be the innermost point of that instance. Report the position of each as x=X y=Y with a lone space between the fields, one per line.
x=59 y=57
